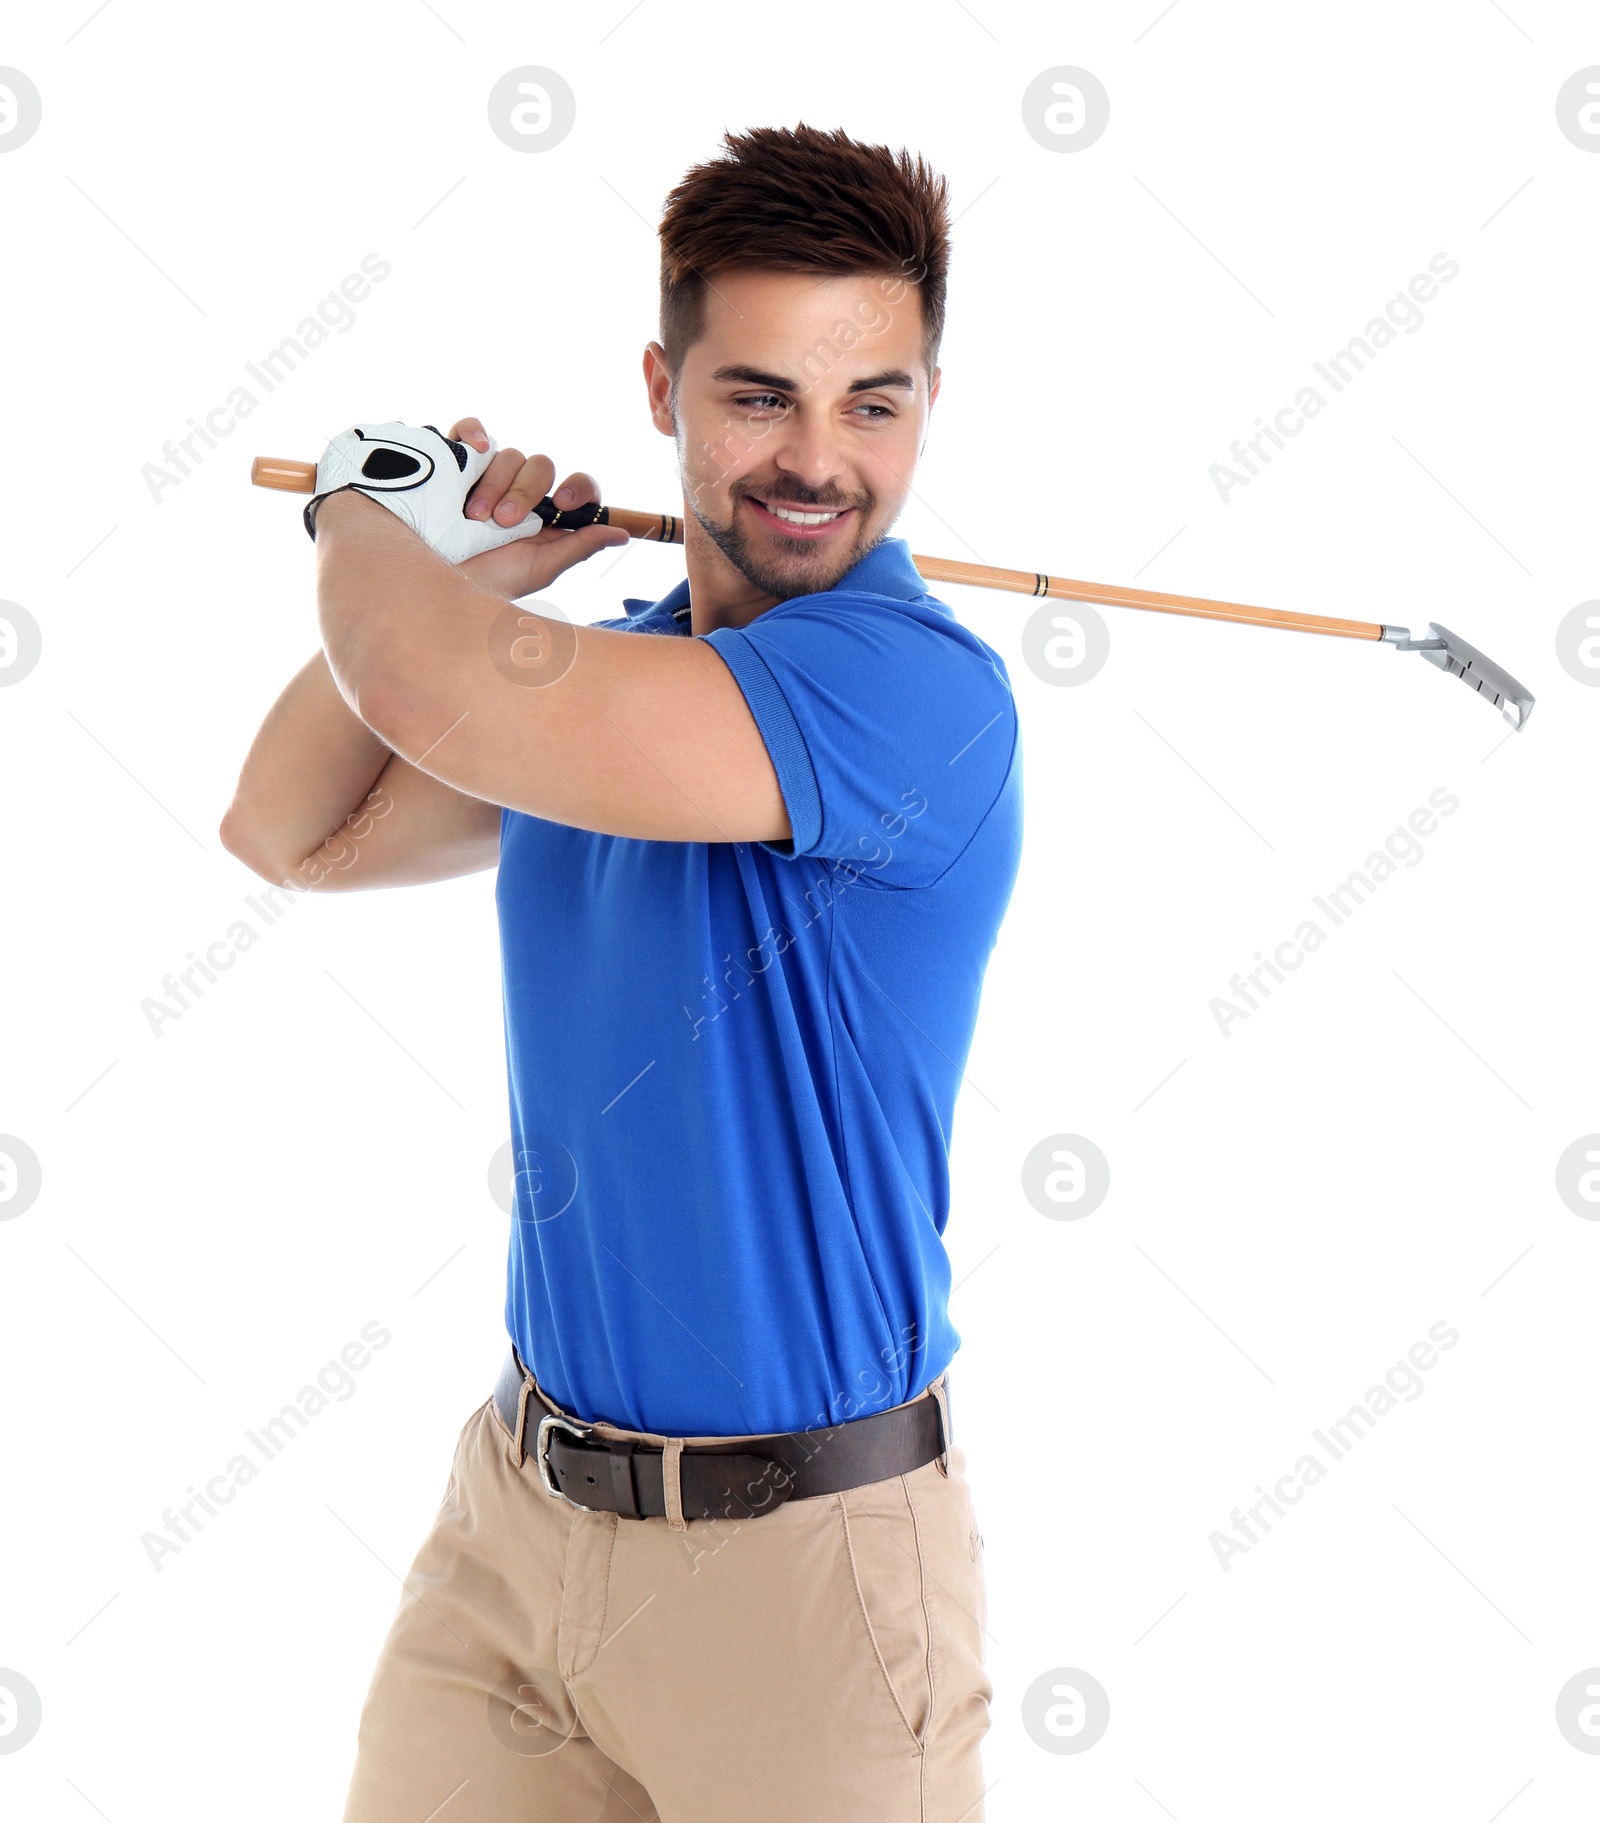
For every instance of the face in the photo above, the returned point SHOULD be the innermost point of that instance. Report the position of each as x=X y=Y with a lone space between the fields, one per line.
x=799 y=415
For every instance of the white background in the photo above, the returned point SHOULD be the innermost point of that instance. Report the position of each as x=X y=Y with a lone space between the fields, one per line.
x=1372 y=1152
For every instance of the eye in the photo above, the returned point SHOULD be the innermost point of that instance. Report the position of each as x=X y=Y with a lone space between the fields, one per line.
x=760 y=401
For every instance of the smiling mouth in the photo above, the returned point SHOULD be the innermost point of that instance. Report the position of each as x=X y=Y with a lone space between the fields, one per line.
x=799 y=521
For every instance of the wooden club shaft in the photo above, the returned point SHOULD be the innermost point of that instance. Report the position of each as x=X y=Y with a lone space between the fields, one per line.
x=662 y=528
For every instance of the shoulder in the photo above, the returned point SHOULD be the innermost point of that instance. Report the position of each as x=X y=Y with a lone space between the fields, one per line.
x=847 y=622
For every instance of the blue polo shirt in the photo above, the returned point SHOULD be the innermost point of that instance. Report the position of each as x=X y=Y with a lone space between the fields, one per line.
x=733 y=1066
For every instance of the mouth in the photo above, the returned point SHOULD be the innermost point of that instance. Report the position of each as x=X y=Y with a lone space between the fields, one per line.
x=803 y=523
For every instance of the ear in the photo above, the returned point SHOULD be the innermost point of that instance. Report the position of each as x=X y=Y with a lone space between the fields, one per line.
x=933 y=394
x=658 y=387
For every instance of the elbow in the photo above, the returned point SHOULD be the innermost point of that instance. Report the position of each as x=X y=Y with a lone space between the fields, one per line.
x=235 y=836
x=245 y=845
x=232 y=834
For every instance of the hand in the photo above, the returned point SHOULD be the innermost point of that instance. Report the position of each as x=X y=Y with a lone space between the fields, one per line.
x=504 y=496
x=420 y=476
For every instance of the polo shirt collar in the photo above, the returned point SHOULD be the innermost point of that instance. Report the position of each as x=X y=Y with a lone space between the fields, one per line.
x=886 y=570
x=671 y=611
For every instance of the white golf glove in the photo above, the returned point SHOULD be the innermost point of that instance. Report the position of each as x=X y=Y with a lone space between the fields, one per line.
x=423 y=477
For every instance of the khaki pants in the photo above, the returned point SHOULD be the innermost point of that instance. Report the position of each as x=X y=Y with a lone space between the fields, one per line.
x=819 y=1663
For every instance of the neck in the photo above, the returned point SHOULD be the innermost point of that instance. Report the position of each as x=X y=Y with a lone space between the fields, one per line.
x=719 y=594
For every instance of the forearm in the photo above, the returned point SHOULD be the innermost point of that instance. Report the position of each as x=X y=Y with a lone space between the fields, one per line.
x=309 y=770
x=587 y=726
x=384 y=599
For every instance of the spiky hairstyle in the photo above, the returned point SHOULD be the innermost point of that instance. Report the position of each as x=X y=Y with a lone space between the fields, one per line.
x=802 y=200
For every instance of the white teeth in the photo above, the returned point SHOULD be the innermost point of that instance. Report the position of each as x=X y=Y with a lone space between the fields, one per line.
x=794 y=518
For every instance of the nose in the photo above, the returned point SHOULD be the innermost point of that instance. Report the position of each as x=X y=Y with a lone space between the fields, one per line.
x=808 y=453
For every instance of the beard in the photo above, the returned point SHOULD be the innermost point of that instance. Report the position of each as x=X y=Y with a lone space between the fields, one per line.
x=783 y=567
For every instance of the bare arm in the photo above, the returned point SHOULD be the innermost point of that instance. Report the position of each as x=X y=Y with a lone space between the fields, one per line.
x=292 y=821
x=647 y=738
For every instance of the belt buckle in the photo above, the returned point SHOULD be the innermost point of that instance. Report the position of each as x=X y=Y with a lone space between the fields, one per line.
x=541 y=1444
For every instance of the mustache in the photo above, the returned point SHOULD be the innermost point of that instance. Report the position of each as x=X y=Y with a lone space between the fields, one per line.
x=805 y=499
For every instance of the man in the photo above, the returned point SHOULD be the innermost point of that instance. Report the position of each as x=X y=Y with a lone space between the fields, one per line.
x=709 y=1552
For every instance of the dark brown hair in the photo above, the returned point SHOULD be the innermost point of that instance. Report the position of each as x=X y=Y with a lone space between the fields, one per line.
x=804 y=200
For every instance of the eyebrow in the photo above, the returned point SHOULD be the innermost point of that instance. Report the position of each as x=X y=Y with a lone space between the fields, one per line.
x=755 y=376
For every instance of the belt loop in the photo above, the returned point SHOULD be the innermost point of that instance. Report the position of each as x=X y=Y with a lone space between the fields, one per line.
x=522 y=1414
x=672 y=1483
x=941 y=1392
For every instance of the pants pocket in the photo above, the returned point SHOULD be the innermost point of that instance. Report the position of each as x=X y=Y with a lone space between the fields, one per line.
x=953 y=1581
x=452 y=1487
x=881 y=1539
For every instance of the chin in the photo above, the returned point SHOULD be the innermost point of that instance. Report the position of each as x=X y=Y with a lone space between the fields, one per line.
x=804 y=573
x=803 y=569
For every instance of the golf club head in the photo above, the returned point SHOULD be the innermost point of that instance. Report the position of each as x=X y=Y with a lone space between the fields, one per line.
x=1451 y=653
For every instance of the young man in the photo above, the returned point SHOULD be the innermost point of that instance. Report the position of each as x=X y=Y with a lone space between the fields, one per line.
x=708 y=1552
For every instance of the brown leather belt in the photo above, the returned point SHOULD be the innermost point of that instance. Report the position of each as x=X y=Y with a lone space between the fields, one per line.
x=740 y=1479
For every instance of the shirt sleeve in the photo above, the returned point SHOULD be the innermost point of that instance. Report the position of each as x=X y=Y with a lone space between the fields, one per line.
x=891 y=728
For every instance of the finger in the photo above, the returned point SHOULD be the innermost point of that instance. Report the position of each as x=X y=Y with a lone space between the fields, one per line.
x=569 y=548
x=526 y=488
x=493 y=482
x=470 y=430
x=577 y=490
